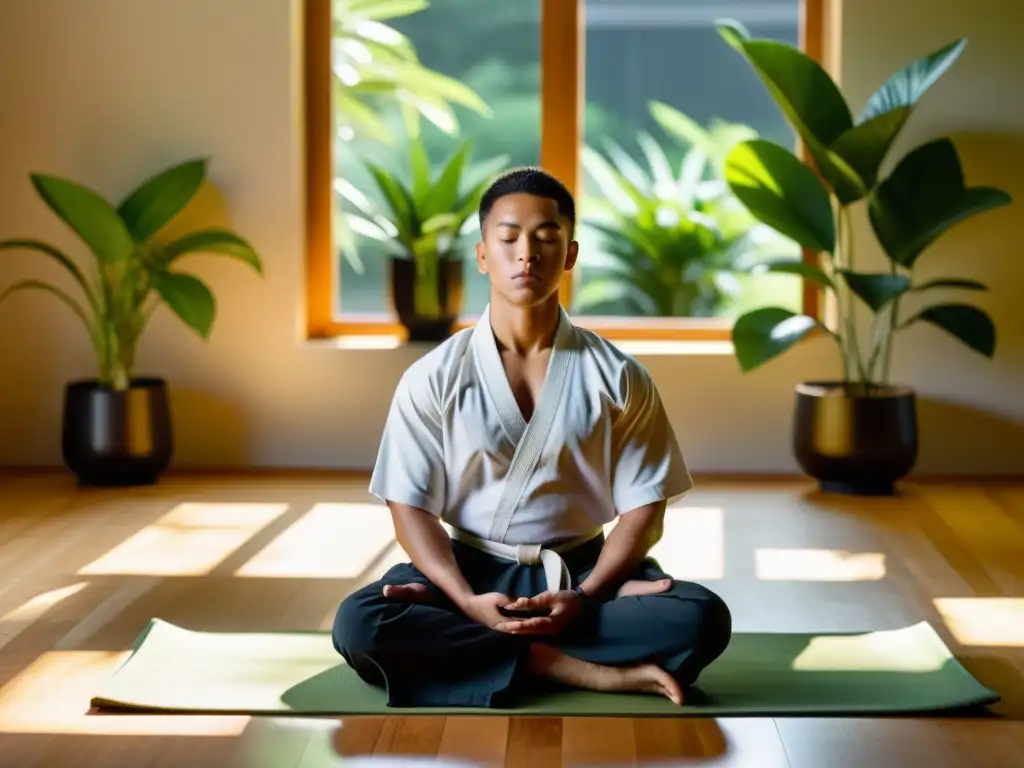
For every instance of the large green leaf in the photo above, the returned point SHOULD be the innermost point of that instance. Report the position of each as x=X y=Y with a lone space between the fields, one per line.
x=906 y=87
x=876 y=289
x=90 y=216
x=661 y=170
x=351 y=112
x=60 y=258
x=443 y=197
x=922 y=198
x=791 y=267
x=484 y=171
x=950 y=282
x=810 y=100
x=189 y=298
x=213 y=241
x=423 y=81
x=782 y=192
x=803 y=90
x=763 y=334
x=369 y=228
x=865 y=145
x=148 y=208
x=969 y=324
x=628 y=167
x=613 y=184
x=398 y=198
x=372 y=58
x=682 y=127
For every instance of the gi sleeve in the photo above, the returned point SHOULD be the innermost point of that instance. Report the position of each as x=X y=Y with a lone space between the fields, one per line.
x=410 y=462
x=648 y=465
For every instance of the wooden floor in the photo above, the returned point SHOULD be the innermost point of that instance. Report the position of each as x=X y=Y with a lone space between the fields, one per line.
x=81 y=572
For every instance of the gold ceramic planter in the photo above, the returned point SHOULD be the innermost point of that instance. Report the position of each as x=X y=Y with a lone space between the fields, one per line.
x=854 y=439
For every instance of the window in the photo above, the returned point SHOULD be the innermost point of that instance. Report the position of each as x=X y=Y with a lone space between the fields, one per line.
x=602 y=93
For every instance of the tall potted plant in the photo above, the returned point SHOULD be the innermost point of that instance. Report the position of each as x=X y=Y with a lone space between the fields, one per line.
x=421 y=222
x=116 y=426
x=857 y=435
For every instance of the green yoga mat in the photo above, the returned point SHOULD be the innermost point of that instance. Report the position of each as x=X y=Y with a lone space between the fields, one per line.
x=907 y=670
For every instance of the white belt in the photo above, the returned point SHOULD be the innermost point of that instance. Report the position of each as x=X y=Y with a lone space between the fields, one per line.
x=555 y=570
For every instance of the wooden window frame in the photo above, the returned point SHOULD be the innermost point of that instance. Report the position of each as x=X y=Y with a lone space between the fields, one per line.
x=563 y=79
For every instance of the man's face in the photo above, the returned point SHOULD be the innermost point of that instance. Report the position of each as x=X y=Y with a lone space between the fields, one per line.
x=527 y=247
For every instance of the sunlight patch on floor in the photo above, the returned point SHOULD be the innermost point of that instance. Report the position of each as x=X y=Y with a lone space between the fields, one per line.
x=331 y=541
x=984 y=621
x=52 y=696
x=819 y=565
x=15 y=622
x=693 y=545
x=190 y=540
x=893 y=651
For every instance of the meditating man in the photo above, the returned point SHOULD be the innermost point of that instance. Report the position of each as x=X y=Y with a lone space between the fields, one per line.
x=525 y=436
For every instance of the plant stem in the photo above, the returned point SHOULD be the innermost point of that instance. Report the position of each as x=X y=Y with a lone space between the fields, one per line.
x=847 y=306
x=886 y=356
x=426 y=291
x=887 y=342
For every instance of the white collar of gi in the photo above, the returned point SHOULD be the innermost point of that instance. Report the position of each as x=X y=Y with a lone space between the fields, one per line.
x=497 y=381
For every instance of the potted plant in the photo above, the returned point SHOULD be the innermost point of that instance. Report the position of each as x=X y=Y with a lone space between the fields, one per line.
x=421 y=222
x=116 y=426
x=674 y=243
x=857 y=435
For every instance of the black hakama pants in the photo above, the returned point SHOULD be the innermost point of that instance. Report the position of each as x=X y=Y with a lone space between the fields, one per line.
x=435 y=656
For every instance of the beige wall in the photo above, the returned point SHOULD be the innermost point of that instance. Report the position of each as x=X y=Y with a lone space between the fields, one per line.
x=110 y=90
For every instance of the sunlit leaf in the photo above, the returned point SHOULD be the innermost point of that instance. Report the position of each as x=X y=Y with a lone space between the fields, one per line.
x=189 y=298
x=763 y=334
x=444 y=195
x=906 y=87
x=220 y=241
x=801 y=268
x=90 y=216
x=810 y=100
x=782 y=192
x=152 y=205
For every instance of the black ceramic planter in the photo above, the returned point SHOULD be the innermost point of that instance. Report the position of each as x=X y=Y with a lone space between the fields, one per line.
x=449 y=295
x=113 y=438
x=855 y=440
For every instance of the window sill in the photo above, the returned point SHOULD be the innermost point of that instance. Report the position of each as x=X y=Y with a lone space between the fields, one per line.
x=636 y=347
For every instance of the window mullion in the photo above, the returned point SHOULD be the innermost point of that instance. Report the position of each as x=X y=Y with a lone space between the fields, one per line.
x=562 y=68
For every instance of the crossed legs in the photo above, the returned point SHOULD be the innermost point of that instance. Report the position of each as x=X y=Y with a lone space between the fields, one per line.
x=401 y=633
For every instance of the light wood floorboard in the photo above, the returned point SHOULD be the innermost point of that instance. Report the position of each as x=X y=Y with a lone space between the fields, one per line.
x=83 y=570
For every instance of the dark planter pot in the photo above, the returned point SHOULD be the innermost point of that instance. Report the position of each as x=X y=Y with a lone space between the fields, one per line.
x=421 y=327
x=853 y=440
x=113 y=438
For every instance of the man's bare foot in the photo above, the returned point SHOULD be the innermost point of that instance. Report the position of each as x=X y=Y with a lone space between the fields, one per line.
x=545 y=661
x=638 y=587
x=644 y=678
x=410 y=593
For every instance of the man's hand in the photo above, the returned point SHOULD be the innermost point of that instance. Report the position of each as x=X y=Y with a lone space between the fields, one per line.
x=563 y=606
x=483 y=609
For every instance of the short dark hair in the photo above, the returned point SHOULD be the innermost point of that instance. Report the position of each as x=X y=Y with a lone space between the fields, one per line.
x=529 y=181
